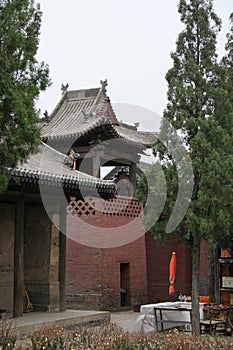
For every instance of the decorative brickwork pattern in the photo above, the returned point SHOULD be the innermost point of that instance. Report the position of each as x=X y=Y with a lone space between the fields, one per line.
x=116 y=207
x=122 y=207
x=81 y=207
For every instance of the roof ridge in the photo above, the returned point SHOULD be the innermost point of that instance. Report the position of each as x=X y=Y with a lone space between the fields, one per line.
x=128 y=126
x=99 y=105
x=58 y=105
x=66 y=95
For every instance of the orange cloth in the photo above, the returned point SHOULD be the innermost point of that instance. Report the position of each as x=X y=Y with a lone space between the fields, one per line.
x=172 y=273
x=171 y=289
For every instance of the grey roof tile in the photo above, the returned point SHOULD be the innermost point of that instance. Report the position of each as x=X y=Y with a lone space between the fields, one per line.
x=79 y=112
x=51 y=166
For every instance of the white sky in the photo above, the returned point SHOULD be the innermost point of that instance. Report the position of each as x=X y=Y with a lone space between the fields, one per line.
x=126 y=41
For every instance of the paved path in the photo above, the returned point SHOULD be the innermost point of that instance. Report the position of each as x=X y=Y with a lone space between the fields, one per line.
x=36 y=320
x=126 y=320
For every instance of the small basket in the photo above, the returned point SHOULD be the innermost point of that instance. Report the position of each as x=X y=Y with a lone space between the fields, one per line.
x=204 y=299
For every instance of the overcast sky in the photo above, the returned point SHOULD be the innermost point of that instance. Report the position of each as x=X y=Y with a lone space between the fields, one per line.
x=126 y=41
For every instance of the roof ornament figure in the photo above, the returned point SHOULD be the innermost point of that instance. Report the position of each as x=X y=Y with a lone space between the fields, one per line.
x=74 y=156
x=136 y=125
x=46 y=116
x=64 y=88
x=104 y=84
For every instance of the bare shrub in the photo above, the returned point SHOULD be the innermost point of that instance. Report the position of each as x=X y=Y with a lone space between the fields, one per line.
x=8 y=334
x=107 y=336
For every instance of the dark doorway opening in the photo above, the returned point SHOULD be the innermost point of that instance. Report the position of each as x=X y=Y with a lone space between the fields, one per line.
x=125 y=284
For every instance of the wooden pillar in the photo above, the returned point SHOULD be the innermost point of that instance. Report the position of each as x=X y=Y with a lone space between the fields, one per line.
x=19 y=260
x=97 y=154
x=96 y=162
x=132 y=177
x=62 y=260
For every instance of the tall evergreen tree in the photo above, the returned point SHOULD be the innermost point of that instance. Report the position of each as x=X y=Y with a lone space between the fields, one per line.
x=21 y=80
x=200 y=110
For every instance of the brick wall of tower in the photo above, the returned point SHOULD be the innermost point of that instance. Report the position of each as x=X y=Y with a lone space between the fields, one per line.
x=104 y=235
x=100 y=239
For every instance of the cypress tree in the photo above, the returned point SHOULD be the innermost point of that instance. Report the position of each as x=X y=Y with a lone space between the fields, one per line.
x=21 y=80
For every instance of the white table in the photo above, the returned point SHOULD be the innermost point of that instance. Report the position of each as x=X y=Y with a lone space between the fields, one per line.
x=146 y=319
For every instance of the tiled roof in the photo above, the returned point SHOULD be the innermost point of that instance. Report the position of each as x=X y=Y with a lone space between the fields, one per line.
x=49 y=166
x=79 y=112
x=146 y=139
x=76 y=114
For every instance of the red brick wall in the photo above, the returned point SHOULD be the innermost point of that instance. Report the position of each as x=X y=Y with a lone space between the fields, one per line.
x=158 y=259
x=93 y=268
x=93 y=272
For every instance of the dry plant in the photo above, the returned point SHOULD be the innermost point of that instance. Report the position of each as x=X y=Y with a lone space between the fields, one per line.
x=108 y=336
x=49 y=338
x=8 y=334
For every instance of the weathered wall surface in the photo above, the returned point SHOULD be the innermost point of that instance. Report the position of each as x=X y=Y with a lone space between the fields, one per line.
x=7 y=232
x=158 y=259
x=41 y=257
x=94 y=273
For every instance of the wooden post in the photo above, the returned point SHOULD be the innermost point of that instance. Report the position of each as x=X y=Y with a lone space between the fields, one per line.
x=19 y=260
x=132 y=177
x=62 y=260
x=96 y=162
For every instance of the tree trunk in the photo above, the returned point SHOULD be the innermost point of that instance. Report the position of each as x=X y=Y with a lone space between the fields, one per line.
x=212 y=282
x=195 y=284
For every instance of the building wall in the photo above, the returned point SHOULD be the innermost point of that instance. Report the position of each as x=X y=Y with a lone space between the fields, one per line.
x=94 y=269
x=93 y=265
x=93 y=272
x=41 y=258
x=7 y=233
x=34 y=264
x=158 y=259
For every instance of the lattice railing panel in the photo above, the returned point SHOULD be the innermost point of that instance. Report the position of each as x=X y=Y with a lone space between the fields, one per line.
x=112 y=207
x=122 y=207
x=81 y=207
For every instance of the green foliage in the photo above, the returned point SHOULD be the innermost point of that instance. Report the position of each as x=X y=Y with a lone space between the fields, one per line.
x=155 y=186
x=200 y=109
x=21 y=80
